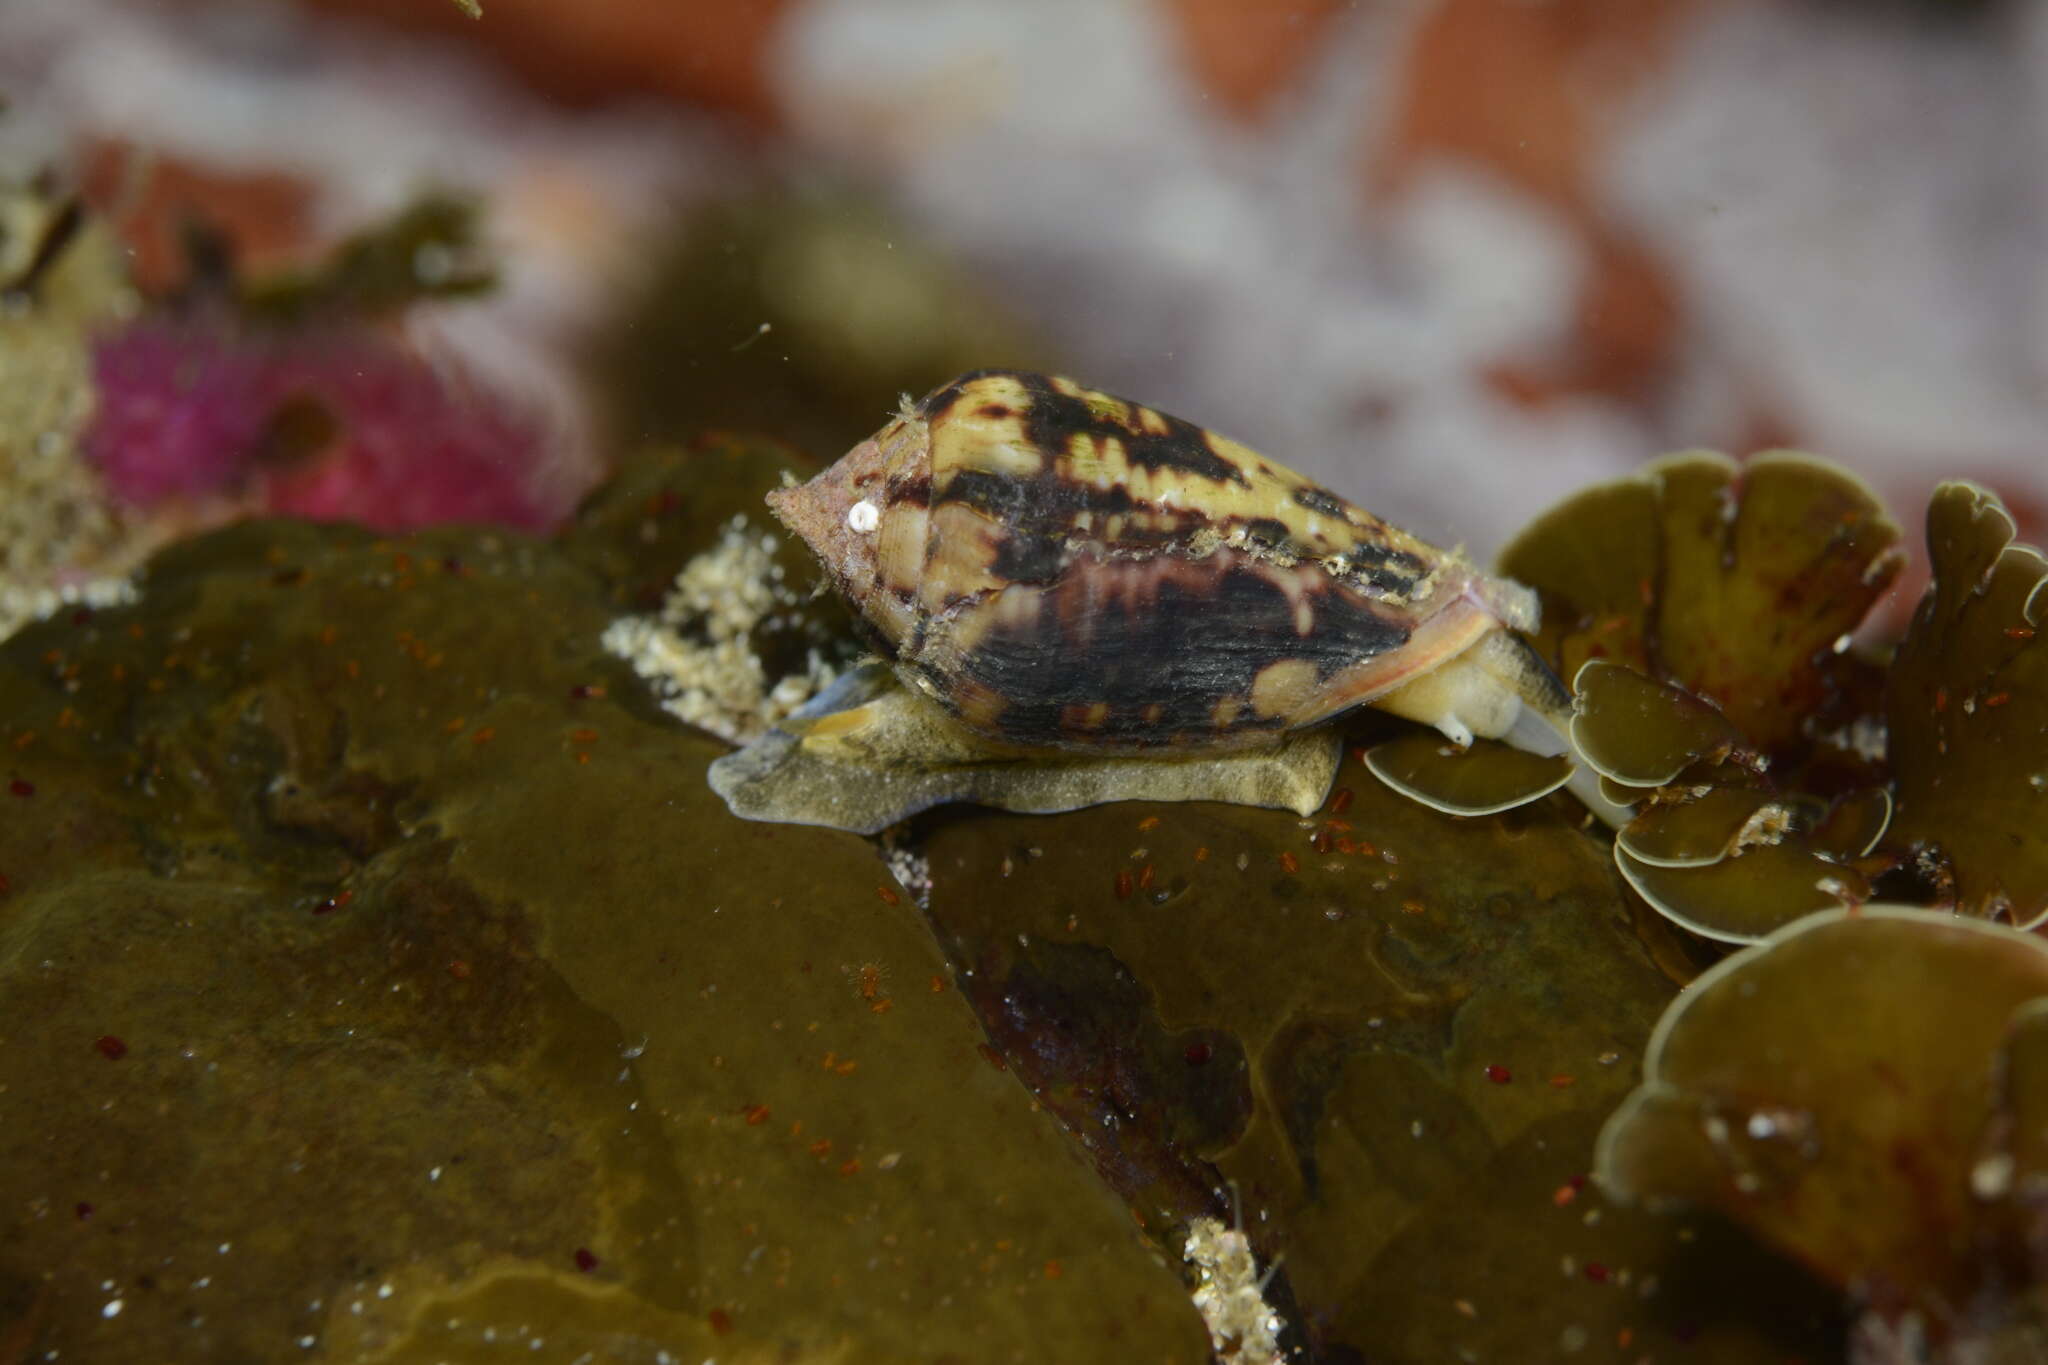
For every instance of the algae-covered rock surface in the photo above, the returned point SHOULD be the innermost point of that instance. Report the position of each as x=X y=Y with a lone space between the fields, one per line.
x=1387 y=1036
x=382 y=982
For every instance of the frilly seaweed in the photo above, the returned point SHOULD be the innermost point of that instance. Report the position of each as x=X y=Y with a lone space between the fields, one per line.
x=1966 y=708
x=1859 y=1089
x=1734 y=581
x=1704 y=611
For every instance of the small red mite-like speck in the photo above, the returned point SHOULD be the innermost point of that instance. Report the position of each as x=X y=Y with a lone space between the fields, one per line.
x=21 y=786
x=1940 y=700
x=756 y=1115
x=1289 y=863
x=1596 y=1272
x=1564 y=1194
x=586 y=1259
x=888 y=896
x=1341 y=802
x=484 y=735
x=1150 y=822
x=1563 y=1081
x=84 y=1210
x=1198 y=1053
x=459 y=969
x=587 y=692
x=1998 y=699
x=1124 y=884
x=850 y=1166
x=992 y=1057
x=1053 y=1270
x=1323 y=840
x=1499 y=1075
x=938 y=983
x=2019 y=632
x=1145 y=877
x=721 y=1322
x=110 y=1047
x=822 y=1148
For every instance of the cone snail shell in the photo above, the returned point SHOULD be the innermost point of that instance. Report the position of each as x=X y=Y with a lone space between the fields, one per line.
x=1062 y=569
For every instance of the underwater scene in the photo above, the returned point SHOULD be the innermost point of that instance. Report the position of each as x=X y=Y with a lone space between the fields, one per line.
x=823 y=681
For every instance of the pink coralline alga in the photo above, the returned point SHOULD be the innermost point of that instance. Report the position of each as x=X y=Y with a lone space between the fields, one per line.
x=192 y=409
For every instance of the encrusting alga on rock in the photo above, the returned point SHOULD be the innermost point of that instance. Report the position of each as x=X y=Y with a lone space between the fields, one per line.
x=697 y=652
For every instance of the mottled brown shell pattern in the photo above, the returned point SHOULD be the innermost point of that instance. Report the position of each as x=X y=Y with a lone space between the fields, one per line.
x=1064 y=569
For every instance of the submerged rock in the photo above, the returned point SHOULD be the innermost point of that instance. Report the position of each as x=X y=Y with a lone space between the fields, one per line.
x=1381 y=1039
x=385 y=982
